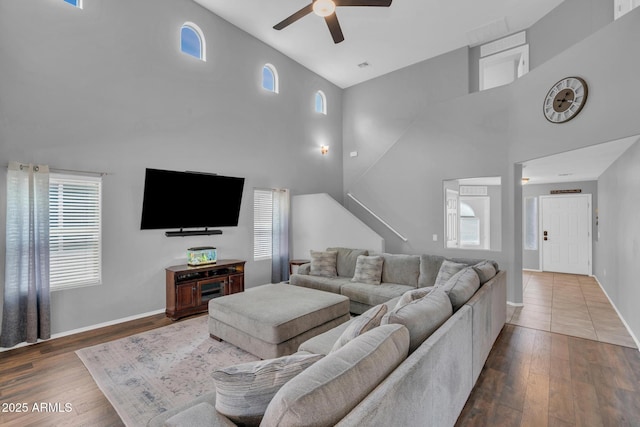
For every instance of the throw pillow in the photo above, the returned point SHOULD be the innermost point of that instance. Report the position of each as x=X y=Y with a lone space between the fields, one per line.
x=447 y=270
x=326 y=392
x=368 y=269
x=421 y=317
x=461 y=287
x=485 y=270
x=244 y=391
x=346 y=260
x=361 y=324
x=323 y=263
x=413 y=295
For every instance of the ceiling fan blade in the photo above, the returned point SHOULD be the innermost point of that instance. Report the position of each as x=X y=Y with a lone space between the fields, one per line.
x=373 y=3
x=293 y=18
x=334 y=28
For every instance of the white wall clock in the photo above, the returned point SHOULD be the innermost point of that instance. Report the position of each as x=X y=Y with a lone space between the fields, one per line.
x=565 y=99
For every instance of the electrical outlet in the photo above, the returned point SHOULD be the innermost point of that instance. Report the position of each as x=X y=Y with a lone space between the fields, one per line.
x=435 y=237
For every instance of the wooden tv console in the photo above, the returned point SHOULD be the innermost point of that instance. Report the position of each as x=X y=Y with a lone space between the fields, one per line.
x=189 y=289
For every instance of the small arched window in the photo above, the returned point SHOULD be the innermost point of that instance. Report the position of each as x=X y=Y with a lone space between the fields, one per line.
x=75 y=3
x=270 y=78
x=192 y=41
x=321 y=102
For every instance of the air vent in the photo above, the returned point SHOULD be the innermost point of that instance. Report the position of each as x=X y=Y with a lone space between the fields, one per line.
x=473 y=190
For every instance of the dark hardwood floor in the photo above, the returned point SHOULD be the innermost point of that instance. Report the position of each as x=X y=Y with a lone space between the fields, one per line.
x=531 y=378
x=50 y=373
x=539 y=378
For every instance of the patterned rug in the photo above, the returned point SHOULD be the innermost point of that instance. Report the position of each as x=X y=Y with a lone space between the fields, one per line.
x=148 y=373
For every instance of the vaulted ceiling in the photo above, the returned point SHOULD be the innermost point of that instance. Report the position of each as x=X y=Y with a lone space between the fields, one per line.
x=385 y=38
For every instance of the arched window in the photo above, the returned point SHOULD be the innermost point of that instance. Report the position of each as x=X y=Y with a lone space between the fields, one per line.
x=270 y=78
x=192 y=41
x=321 y=102
x=75 y=3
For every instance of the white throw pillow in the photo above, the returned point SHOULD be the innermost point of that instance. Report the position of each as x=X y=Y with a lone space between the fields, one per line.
x=323 y=263
x=368 y=269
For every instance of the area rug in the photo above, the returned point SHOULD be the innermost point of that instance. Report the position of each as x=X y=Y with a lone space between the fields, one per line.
x=151 y=372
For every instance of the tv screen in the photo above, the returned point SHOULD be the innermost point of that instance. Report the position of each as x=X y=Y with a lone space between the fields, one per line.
x=190 y=199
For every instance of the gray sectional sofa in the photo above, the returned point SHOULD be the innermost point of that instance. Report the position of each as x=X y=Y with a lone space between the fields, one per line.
x=374 y=379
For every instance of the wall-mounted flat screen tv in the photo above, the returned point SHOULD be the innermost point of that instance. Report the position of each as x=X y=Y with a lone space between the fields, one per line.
x=190 y=200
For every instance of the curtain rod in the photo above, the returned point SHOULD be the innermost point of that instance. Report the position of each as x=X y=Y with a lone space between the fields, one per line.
x=73 y=171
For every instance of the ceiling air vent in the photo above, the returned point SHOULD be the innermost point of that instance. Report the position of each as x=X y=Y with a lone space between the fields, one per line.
x=473 y=190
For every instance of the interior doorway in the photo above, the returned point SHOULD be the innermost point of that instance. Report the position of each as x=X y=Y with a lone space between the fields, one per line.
x=565 y=227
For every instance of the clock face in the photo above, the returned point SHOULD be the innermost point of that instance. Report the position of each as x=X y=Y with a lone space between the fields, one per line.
x=565 y=99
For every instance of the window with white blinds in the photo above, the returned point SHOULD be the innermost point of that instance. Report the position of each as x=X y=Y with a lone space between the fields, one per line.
x=262 y=223
x=75 y=231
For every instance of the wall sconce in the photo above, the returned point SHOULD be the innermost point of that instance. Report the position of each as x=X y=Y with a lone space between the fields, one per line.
x=525 y=180
x=324 y=149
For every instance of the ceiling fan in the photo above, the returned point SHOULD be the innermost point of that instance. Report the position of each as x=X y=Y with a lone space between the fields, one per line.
x=326 y=9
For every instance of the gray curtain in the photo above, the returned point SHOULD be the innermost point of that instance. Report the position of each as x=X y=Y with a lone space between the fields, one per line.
x=26 y=308
x=280 y=236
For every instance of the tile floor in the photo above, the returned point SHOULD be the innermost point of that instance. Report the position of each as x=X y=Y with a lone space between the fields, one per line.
x=571 y=305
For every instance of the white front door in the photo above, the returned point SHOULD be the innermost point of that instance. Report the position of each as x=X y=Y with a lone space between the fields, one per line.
x=566 y=233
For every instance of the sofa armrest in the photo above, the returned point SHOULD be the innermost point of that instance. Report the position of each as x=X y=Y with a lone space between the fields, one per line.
x=304 y=269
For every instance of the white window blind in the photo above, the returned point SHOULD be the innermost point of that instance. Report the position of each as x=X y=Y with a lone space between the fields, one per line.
x=262 y=223
x=75 y=231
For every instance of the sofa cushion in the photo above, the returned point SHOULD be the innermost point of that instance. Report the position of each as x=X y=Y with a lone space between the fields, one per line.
x=413 y=295
x=401 y=269
x=327 y=284
x=368 y=269
x=461 y=287
x=244 y=391
x=329 y=389
x=323 y=263
x=364 y=323
x=485 y=270
x=422 y=316
x=429 y=268
x=447 y=270
x=346 y=260
x=373 y=295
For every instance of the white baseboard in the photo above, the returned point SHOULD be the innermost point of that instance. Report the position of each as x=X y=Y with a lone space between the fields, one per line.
x=532 y=269
x=626 y=325
x=87 y=328
x=515 y=304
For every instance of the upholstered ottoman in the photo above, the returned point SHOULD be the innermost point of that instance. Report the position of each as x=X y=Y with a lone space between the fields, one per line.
x=273 y=320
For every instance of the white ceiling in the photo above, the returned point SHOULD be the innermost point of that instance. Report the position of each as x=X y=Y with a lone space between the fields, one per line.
x=407 y=32
x=585 y=164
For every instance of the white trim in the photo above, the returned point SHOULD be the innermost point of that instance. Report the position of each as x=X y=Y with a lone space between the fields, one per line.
x=515 y=304
x=626 y=325
x=503 y=44
x=532 y=269
x=88 y=328
x=385 y=223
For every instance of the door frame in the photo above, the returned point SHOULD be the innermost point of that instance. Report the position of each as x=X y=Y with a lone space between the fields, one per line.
x=589 y=223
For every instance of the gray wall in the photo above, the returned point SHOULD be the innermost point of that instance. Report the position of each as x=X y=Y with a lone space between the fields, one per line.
x=107 y=89
x=566 y=25
x=531 y=258
x=485 y=134
x=617 y=252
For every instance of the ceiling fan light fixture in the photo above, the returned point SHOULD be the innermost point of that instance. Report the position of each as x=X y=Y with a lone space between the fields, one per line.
x=324 y=7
